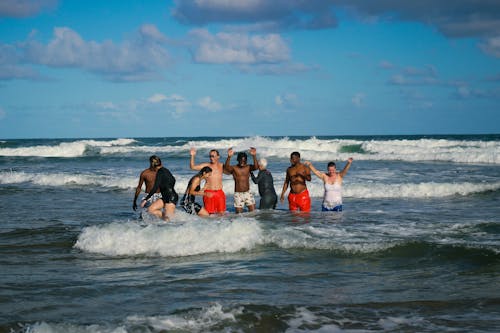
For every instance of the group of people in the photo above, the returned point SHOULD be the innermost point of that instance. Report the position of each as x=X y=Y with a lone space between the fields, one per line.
x=161 y=198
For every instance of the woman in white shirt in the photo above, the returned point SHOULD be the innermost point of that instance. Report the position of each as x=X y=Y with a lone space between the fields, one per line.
x=332 y=198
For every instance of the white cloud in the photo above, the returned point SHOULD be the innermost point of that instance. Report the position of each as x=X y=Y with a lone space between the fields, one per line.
x=140 y=58
x=287 y=101
x=238 y=48
x=157 y=98
x=209 y=104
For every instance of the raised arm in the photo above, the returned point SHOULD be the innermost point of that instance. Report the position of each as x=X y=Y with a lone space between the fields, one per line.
x=346 y=168
x=227 y=166
x=192 y=164
x=255 y=165
x=314 y=170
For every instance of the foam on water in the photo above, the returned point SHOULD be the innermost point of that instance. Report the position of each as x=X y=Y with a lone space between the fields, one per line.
x=63 y=149
x=460 y=151
x=353 y=190
x=172 y=239
x=65 y=179
x=373 y=238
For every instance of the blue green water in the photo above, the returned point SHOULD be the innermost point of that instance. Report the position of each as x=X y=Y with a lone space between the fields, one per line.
x=416 y=249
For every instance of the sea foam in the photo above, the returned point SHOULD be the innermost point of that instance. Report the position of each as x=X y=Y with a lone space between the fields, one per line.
x=64 y=149
x=171 y=239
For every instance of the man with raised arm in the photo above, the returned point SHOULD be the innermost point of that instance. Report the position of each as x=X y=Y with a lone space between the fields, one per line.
x=214 y=199
x=241 y=175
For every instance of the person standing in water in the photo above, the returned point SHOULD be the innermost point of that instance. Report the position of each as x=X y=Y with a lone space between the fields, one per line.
x=241 y=174
x=214 y=199
x=264 y=180
x=163 y=208
x=148 y=177
x=332 y=198
x=296 y=175
x=194 y=188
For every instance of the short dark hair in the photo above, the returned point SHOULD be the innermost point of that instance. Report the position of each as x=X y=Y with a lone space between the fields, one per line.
x=331 y=164
x=295 y=153
x=241 y=155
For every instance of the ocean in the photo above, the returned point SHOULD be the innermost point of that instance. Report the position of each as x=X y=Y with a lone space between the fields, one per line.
x=416 y=249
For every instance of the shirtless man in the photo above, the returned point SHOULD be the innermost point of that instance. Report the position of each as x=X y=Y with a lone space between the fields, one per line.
x=148 y=177
x=297 y=174
x=214 y=199
x=241 y=175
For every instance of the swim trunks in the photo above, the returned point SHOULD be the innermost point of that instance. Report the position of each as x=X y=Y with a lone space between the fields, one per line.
x=153 y=198
x=333 y=209
x=191 y=207
x=299 y=201
x=243 y=198
x=216 y=203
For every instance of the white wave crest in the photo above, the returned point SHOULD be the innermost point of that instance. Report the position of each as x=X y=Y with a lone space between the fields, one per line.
x=65 y=179
x=352 y=190
x=170 y=239
x=331 y=238
x=63 y=149
x=198 y=320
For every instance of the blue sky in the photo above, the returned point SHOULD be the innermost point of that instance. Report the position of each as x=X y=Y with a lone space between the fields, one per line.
x=73 y=69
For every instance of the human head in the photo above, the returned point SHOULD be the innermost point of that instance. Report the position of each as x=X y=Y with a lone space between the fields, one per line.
x=332 y=167
x=214 y=155
x=242 y=158
x=154 y=161
x=204 y=171
x=295 y=157
x=262 y=164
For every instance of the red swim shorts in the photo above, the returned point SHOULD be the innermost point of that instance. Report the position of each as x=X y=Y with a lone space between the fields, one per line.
x=216 y=203
x=299 y=201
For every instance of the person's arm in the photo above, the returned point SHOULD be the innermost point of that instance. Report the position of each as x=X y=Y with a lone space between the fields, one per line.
x=307 y=173
x=314 y=170
x=227 y=166
x=138 y=190
x=255 y=165
x=254 y=179
x=285 y=187
x=346 y=168
x=194 y=185
x=192 y=165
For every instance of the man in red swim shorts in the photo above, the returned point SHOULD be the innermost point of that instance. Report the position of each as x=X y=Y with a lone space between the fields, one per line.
x=296 y=175
x=214 y=199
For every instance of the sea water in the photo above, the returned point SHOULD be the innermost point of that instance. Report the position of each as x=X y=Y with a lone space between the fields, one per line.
x=416 y=249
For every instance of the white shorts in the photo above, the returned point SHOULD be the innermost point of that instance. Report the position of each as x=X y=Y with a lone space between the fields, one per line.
x=243 y=198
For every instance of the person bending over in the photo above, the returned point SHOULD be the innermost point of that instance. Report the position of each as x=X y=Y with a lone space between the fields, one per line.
x=164 y=208
x=193 y=189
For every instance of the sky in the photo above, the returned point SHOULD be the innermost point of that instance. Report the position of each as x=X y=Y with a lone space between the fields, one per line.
x=157 y=68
